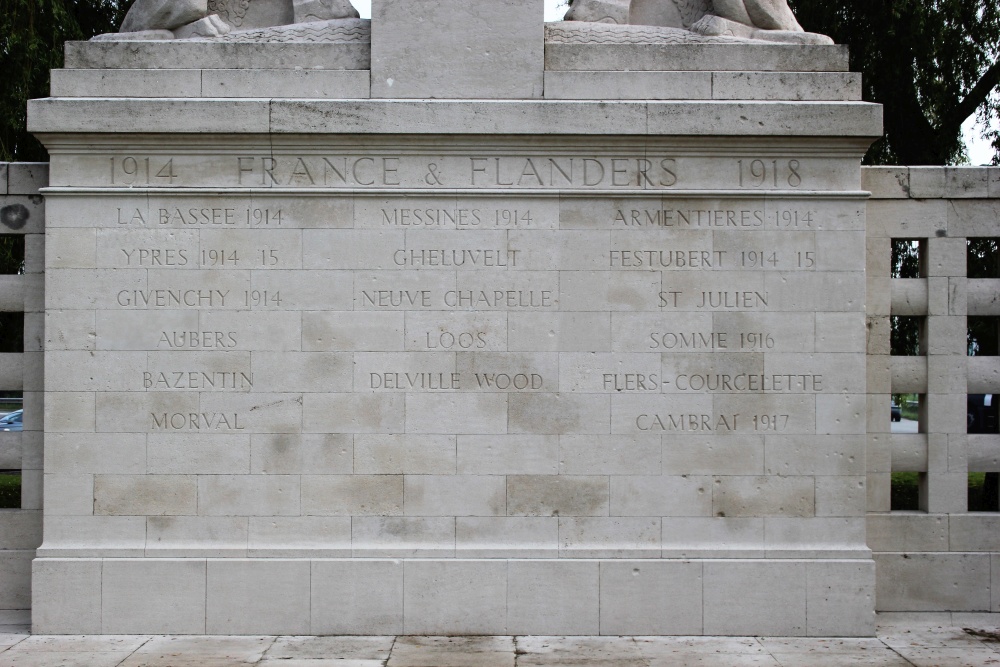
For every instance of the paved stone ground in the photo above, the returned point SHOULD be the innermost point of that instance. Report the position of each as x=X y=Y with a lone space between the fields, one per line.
x=904 y=640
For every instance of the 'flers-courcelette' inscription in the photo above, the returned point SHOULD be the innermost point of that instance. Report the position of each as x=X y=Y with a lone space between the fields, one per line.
x=485 y=172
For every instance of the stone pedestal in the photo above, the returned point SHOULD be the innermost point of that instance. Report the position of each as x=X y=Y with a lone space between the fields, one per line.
x=587 y=361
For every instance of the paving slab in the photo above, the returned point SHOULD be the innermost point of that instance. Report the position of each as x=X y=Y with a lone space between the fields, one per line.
x=342 y=648
x=619 y=651
x=950 y=657
x=84 y=643
x=716 y=660
x=452 y=652
x=876 y=658
x=29 y=658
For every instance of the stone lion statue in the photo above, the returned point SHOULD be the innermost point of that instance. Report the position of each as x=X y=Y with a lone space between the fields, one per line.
x=213 y=18
x=770 y=20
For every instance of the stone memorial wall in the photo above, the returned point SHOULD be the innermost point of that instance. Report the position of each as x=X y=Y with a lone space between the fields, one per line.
x=508 y=361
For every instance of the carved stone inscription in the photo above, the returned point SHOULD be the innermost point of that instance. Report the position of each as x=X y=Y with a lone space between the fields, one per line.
x=479 y=331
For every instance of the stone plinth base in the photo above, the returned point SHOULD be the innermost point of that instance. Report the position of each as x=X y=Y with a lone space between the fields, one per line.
x=454 y=597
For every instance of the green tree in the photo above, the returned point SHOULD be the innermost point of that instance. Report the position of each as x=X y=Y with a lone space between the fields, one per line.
x=931 y=63
x=32 y=33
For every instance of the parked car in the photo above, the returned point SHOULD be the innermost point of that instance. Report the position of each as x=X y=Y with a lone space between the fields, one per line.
x=13 y=421
x=897 y=413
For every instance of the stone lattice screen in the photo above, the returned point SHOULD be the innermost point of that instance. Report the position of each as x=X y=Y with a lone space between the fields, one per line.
x=940 y=556
x=22 y=212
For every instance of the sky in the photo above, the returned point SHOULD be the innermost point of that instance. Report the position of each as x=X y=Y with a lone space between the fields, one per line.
x=980 y=151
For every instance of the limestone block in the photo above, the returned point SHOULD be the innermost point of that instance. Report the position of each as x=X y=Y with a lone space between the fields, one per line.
x=695 y=57
x=192 y=454
x=137 y=495
x=909 y=452
x=909 y=297
x=248 y=495
x=353 y=413
x=289 y=537
x=163 y=15
x=553 y=598
x=841 y=415
x=557 y=414
x=926 y=582
x=886 y=182
x=3 y=177
x=20 y=530
x=878 y=486
x=909 y=374
x=27 y=178
x=927 y=183
x=699 y=455
x=972 y=217
x=664 y=496
x=173 y=596
x=557 y=495
x=403 y=537
x=243 y=115
x=628 y=85
x=353 y=55
x=840 y=599
x=292 y=454
x=778 y=586
x=567 y=332
x=610 y=455
x=199 y=536
x=357 y=597
x=651 y=598
x=494 y=50
x=908 y=219
x=127 y=82
x=983 y=453
x=247 y=596
x=840 y=496
x=946 y=257
x=86 y=536
x=908 y=532
x=352 y=495
x=983 y=298
x=457 y=413
x=609 y=537
x=966 y=182
x=816 y=455
x=302 y=371
x=454 y=495
x=839 y=332
x=66 y=596
x=809 y=536
x=22 y=214
x=69 y=495
x=797 y=86
x=404 y=454
x=994 y=185
x=768 y=496
x=454 y=597
x=69 y=412
x=309 y=84
x=358 y=331
x=945 y=492
x=507 y=537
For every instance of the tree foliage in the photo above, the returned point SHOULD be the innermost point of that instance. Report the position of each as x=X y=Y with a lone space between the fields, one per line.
x=32 y=33
x=931 y=63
